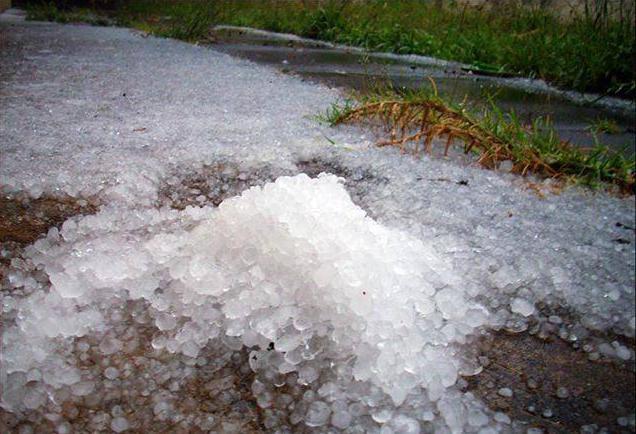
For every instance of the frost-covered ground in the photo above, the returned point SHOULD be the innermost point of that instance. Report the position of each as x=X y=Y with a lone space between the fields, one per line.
x=334 y=304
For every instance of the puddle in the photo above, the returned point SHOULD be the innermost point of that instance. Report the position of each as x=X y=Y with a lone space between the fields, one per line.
x=355 y=70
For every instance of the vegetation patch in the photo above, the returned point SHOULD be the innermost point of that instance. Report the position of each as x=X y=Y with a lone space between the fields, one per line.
x=603 y=125
x=413 y=120
x=50 y=11
x=592 y=51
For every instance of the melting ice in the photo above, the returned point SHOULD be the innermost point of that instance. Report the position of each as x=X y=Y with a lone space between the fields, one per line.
x=366 y=316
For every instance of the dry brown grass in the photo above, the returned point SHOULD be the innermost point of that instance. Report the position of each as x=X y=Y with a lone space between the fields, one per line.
x=416 y=123
x=413 y=127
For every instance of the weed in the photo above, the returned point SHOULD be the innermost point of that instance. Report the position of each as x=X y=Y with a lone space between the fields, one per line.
x=191 y=22
x=414 y=119
x=49 y=11
x=326 y=21
x=336 y=111
x=603 y=125
x=45 y=11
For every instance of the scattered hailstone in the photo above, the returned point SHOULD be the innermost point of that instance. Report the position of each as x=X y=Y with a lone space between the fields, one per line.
x=506 y=392
x=622 y=352
x=341 y=419
x=503 y=418
x=111 y=373
x=506 y=166
x=293 y=270
x=562 y=392
x=532 y=383
x=318 y=414
x=119 y=424
x=522 y=306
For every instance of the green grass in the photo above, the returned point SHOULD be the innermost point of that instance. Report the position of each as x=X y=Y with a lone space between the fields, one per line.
x=49 y=11
x=589 y=52
x=603 y=125
x=412 y=119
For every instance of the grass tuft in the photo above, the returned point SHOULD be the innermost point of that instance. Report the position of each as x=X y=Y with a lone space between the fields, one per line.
x=189 y=22
x=603 y=125
x=49 y=11
x=416 y=121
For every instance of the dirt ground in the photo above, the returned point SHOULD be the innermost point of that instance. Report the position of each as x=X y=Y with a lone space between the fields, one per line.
x=598 y=393
x=24 y=220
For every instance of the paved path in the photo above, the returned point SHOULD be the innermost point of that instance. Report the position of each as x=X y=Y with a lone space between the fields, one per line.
x=126 y=109
x=139 y=122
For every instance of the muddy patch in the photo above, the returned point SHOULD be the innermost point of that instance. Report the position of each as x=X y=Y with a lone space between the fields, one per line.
x=554 y=387
x=23 y=220
x=212 y=184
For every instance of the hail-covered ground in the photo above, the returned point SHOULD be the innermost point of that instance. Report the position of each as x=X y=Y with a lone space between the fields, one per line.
x=220 y=289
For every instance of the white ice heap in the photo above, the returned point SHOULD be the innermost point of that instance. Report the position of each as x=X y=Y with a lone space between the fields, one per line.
x=295 y=263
